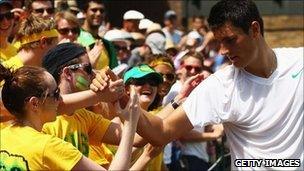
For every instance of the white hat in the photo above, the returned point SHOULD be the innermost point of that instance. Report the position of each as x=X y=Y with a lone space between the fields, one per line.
x=116 y=35
x=133 y=15
x=153 y=27
x=144 y=23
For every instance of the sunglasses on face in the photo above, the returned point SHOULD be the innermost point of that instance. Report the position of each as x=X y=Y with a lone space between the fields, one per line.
x=7 y=15
x=41 y=10
x=170 y=77
x=65 y=31
x=86 y=67
x=123 y=48
x=143 y=81
x=190 y=67
x=101 y=10
x=55 y=94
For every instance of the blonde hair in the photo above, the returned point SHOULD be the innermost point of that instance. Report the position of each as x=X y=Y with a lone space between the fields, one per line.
x=33 y=25
x=160 y=59
x=67 y=15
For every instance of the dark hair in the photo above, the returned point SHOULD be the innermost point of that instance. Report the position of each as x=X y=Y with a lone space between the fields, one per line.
x=28 y=3
x=25 y=82
x=241 y=13
x=86 y=4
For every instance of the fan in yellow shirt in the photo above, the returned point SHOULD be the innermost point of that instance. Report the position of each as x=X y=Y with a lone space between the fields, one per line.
x=7 y=50
x=80 y=129
x=42 y=152
x=74 y=73
x=35 y=102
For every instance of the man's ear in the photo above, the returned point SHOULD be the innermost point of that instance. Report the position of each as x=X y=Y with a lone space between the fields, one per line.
x=43 y=42
x=255 y=27
x=66 y=73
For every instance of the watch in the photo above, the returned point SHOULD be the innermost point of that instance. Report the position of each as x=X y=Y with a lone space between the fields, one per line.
x=174 y=104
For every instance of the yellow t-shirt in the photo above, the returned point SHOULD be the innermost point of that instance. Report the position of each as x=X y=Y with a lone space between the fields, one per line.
x=8 y=52
x=81 y=129
x=25 y=148
x=100 y=154
x=14 y=63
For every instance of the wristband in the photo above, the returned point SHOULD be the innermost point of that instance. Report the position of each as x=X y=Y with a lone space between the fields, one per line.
x=174 y=104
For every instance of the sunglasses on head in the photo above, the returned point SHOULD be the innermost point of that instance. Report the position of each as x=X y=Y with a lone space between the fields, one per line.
x=7 y=15
x=86 y=67
x=41 y=10
x=190 y=67
x=65 y=31
x=169 y=77
x=143 y=81
x=101 y=10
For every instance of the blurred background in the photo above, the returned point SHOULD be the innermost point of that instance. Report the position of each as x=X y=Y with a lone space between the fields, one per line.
x=283 y=18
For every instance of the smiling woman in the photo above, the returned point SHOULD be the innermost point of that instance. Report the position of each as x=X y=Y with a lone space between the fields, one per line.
x=146 y=80
x=67 y=26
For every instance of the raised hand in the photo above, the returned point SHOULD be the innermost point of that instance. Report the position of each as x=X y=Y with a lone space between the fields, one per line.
x=95 y=52
x=190 y=84
x=132 y=110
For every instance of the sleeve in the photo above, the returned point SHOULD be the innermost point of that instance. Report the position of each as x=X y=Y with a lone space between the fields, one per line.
x=97 y=127
x=60 y=155
x=202 y=106
x=13 y=63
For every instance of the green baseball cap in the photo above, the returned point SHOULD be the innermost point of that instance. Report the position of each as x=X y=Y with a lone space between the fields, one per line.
x=141 y=71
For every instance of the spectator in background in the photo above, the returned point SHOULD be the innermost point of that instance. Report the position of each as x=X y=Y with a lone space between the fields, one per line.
x=40 y=8
x=33 y=48
x=122 y=41
x=170 y=28
x=131 y=20
x=105 y=54
x=7 y=50
x=156 y=39
x=67 y=26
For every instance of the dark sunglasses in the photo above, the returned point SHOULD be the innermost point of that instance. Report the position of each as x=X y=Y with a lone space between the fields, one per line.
x=124 y=48
x=101 y=10
x=169 y=77
x=7 y=15
x=41 y=10
x=190 y=67
x=143 y=81
x=55 y=94
x=86 y=67
x=65 y=31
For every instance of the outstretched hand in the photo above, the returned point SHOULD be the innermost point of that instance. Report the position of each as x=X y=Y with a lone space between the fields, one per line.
x=107 y=83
